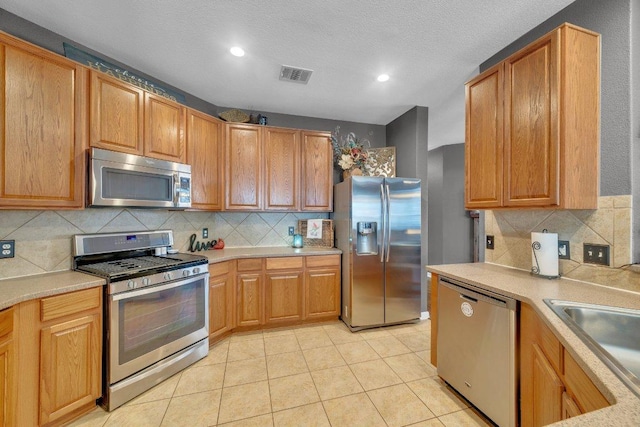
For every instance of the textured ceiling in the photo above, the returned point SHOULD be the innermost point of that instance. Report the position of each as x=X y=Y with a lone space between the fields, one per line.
x=428 y=47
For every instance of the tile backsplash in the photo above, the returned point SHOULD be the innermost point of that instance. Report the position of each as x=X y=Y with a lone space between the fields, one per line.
x=43 y=238
x=610 y=224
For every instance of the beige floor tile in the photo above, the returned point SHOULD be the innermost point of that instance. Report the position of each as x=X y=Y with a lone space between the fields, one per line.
x=417 y=341
x=339 y=334
x=323 y=358
x=424 y=325
x=438 y=398
x=309 y=416
x=374 y=374
x=200 y=378
x=336 y=382
x=433 y=422
x=247 y=349
x=313 y=338
x=245 y=371
x=355 y=352
x=466 y=418
x=277 y=332
x=354 y=410
x=244 y=401
x=374 y=334
x=217 y=354
x=280 y=344
x=410 y=367
x=399 y=406
x=143 y=415
x=95 y=418
x=424 y=355
x=294 y=390
x=284 y=364
x=388 y=346
x=259 y=421
x=164 y=390
x=246 y=336
x=408 y=328
x=193 y=410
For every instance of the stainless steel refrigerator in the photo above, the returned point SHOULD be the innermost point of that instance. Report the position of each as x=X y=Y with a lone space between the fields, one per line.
x=377 y=224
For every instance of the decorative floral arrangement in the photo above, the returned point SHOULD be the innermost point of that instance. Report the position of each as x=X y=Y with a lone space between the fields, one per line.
x=349 y=152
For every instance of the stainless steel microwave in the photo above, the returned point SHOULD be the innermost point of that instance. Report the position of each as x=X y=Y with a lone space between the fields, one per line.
x=127 y=180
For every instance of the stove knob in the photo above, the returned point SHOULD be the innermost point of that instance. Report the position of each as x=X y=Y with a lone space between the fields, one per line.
x=186 y=273
x=196 y=270
x=146 y=281
x=131 y=284
x=167 y=276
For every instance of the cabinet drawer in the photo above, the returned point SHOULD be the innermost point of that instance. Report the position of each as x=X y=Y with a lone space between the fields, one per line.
x=219 y=269
x=250 y=264
x=6 y=321
x=284 y=262
x=323 y=260
x=66 y=304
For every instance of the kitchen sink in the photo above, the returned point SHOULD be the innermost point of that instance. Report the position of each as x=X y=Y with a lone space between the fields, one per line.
x=612 y=333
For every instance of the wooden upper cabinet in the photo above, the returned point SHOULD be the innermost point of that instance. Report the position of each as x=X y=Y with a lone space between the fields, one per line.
x=547 y=115
x=243 y=180
x=205 y=155
x=130 y=120
x=317 y=172
x=483 y=148
x=116 y=115
x=163 y=128
x=42 y=130
x=282 y=163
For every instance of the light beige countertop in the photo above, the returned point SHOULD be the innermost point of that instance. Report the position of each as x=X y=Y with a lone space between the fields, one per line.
x=13 y=291
x=228 y=254
x=522 y=286
x=16 y=290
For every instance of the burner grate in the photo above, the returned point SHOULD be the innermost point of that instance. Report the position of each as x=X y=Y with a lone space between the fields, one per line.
x=129 y=265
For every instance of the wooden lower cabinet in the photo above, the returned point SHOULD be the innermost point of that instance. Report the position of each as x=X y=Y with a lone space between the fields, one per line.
x=552 y=385
x=250 y=299
x=7 y=366
x=284 y=296
x=322 y=287
x=221 y=299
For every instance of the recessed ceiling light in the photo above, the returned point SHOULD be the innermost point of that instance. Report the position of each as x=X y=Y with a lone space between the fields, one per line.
x=383 y=77
x=237 y=51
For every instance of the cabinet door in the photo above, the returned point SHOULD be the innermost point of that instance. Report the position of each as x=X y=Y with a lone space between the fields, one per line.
x=163 y=129
x=204 y=154
x=243 y=156
x=483 y=145
x=284 y=296
x=250 y=299
x=221 y=303
x=70 y=367
x=6 y=383
x=531 y=141
x=116 y=115
x=317 y=172
x=322 y=292
x=569 y=407
x=282 y=154
x=42 y=129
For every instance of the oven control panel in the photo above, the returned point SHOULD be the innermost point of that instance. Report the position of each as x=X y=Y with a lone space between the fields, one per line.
x=132 y=283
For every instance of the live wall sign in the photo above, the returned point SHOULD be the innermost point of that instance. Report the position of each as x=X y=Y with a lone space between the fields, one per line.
x=113 y=70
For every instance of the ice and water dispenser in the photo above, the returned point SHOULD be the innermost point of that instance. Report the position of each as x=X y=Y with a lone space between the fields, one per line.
x=367 y=240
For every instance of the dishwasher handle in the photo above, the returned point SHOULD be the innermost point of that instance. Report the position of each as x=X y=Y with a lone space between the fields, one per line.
x=468 y=292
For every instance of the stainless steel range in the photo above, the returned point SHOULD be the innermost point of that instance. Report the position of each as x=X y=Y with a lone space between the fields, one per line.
x=156 y=308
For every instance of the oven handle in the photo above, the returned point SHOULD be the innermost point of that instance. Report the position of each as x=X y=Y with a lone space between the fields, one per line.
x=159 y=288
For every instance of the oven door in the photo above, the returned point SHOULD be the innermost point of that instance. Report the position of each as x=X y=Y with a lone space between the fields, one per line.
x=150 y=324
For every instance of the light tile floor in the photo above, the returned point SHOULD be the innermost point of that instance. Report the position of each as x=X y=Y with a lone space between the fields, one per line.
x=315 y=375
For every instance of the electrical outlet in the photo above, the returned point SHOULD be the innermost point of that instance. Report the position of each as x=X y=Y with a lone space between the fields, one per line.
x=205 y=233
x=7 y=248
x=490 y=241
x=291 y=231
x=563 y=249
x=596 y=254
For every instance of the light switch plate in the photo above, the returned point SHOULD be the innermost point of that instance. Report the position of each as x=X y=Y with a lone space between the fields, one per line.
x=596 y=254
x=490 y=241
x=564 y=251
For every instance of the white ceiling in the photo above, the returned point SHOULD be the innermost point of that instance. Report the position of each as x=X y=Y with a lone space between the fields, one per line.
x=428 y=47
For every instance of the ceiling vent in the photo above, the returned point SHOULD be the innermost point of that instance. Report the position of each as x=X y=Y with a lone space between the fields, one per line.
x=294 y=74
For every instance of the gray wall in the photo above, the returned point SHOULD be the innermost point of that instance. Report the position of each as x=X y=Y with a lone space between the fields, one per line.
x=450 y=227
x=618 y=24
x=409 y=134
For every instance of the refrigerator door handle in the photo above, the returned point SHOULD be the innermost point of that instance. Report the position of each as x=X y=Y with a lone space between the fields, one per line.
x=382 y=227
x=387 y=221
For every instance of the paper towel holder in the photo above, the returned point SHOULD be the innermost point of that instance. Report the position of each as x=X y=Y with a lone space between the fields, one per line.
x=535 y=270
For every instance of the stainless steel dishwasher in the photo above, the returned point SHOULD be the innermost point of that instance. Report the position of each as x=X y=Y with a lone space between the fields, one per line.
x=477 y=348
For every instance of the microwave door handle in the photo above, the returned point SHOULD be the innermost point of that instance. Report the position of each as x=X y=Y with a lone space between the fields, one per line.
x=176 y=189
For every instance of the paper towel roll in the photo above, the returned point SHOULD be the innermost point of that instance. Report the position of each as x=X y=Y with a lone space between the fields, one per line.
x=544 y=254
